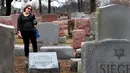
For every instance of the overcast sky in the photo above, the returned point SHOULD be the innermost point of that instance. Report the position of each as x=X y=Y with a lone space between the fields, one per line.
x=54 y=3
x=18 y=4
x=45 y=2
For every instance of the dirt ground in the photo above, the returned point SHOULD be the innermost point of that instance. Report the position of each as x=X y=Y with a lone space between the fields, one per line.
x=19 y=66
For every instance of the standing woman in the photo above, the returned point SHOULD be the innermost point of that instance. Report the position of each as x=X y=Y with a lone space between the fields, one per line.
x=26 y=28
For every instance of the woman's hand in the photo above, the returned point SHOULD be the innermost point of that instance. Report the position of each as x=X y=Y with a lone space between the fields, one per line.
x=19 y=34
x=35 y=25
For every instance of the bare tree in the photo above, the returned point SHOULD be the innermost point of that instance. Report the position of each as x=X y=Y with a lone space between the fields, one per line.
x=79 y=6
x=8 y=7
x=102 y=2
x=49 y=5
x=40 y=7
x=79 y=3
x=2 y=2
x=93 y=6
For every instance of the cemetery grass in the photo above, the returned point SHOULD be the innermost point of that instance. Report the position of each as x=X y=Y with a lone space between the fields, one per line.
x=19 y=66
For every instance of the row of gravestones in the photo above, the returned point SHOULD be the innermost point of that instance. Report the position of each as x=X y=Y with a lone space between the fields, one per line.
x=44 y=61
x=105 y=23
x=100 y=56
x=6 y=57
x=50 y=41
x=109 y=52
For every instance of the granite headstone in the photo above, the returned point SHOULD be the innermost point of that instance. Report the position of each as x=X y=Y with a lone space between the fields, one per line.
x=113 y=21
x=6 y=48
x=63 y=51
x=48 y=32
x=106 y=56
x=43 y=62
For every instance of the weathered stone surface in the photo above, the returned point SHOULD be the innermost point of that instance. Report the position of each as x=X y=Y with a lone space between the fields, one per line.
x=79 y=23
x=78 y=36
x=14 y=20
x=113 y=22
x=84 y=24
x=61 y=27
x=6 y=20
x=48 y=32
x=43 y=62
x=106 y=56
x=62 y=39
x=19 y=50
x=79 y=67
x=78 y=53
x=6 y=48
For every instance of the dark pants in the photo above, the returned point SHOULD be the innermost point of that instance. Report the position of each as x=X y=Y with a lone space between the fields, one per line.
x=29 y=35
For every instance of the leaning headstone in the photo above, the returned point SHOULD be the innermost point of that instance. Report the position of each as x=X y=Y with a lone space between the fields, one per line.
x=43 y=62
x=48 y=32
x=6 y=48
x=106 y=56
x=113 y=22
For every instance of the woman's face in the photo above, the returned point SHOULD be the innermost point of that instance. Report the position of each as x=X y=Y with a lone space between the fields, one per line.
x=28 y=9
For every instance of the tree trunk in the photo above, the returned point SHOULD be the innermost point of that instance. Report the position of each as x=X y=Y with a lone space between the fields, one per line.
x=8 y=7
x=82 y=7
x=2 y=2
x=79 y=8
x=40 y=7
x=49 y=6
x=93 y=5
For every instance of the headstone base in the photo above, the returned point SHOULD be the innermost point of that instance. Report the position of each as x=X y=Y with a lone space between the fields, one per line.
x=44 y=71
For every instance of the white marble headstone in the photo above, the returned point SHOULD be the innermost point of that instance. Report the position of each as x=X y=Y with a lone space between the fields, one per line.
x=43 y=60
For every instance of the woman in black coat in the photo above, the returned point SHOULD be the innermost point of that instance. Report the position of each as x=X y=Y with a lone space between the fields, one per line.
x=26 y=27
